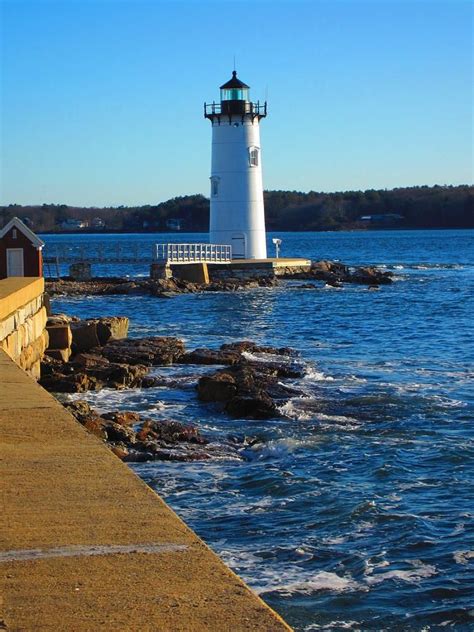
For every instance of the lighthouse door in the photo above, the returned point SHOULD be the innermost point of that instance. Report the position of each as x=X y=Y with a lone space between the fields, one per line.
x=15 y=262
x=238 y=246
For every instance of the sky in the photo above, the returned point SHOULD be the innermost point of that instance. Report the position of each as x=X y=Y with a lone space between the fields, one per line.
x=102 y=100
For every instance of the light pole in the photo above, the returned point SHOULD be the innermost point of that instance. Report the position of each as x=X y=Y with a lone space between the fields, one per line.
x=277 y=243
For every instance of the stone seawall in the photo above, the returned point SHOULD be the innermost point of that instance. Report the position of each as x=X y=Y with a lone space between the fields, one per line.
x=23 y=317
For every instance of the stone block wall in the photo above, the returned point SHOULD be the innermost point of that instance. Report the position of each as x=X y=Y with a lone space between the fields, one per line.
x=23 y=317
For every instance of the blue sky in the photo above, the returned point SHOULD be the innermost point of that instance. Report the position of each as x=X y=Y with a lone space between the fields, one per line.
x=102 y=99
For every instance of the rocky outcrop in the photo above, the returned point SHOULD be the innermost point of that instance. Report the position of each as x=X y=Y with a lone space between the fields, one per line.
x=93 y=332
x=88 y=372
x=249 y=389
x=335 y=273
x=231 y=353
x=148 y=351
x=160 y=288
x=133 y=438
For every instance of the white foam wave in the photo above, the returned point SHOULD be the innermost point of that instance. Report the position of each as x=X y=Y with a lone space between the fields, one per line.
x=321 y=581
x=413 y=575
x=266 y=357
x=290 y=410
x=463 y=557
x=343 y=625
x=316 y=376
x=280 y=447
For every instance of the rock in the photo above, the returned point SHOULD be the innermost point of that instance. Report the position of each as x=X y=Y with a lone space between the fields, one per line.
x=258 y=405
x=219 y=387
x=110 y=327
x=334 y=283
x=122 y=418
x=95 y=426
x=209 y=356
x=89 y=371
x=116 y=432
x=87 y=417
x=125 y=288
x=120 y=450
x=170 y=432
x=370 y=276
x=60 y=319
x=62 y=355
x=60 y=335
x=251 y=347
x=84 y=336
x=245 y=390
x=167 y=440
x=229 y=353
x=79 y=408
x=147 y=351
x=58 y=382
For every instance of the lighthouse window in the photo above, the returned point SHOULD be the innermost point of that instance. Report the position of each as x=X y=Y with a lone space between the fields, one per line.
x=253 y=156
x=214 y=186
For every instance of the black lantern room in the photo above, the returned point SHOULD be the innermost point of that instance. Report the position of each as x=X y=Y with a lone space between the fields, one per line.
x=235 y=101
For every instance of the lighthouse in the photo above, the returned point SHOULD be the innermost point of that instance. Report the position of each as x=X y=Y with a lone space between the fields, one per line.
x=237 y=214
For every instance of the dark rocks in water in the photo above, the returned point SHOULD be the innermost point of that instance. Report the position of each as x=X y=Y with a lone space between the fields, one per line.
x=148 y=351
x=230 y=353
x=252 y=347
x=335 y=273
x=89 y=372
x=122 y=418
x=169 y=432
x=208 y=356
x=150 y=440
x=256 y=405
x=244 y=390
x=161 y=288
x=334 y=283
x=218 y=387
x=249 y=386
x=370 y=276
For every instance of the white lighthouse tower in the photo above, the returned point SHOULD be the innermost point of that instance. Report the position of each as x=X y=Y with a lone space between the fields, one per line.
x=237 y=213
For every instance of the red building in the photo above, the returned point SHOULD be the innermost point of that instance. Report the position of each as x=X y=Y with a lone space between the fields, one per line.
x=20 y=251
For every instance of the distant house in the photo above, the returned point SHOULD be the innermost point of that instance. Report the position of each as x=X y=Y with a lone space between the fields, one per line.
x=173 y=224
x=73 y=224
x=20 y=251
x=382 y=218
x=98 y=222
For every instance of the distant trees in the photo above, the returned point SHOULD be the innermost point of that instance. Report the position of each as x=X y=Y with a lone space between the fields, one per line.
x=420 y=207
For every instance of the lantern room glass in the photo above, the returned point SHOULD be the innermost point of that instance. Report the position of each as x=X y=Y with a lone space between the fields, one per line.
x=235 y=94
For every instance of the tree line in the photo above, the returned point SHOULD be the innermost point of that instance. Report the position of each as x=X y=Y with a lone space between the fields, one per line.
x=409 y=207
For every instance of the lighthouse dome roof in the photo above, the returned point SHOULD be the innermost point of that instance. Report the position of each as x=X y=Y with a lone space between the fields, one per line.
x=234 y=82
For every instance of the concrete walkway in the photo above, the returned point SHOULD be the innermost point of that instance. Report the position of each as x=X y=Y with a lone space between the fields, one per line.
x=86 y=545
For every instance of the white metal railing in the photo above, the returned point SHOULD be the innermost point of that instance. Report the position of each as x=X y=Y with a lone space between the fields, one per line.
x=193 y=253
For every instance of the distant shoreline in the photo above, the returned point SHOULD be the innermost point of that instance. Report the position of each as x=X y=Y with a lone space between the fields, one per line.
x=205 y=232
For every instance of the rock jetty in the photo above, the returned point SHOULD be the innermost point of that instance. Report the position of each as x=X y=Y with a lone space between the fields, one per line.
x=329 y=272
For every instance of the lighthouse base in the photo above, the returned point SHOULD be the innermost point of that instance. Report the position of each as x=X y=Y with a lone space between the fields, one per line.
x=258 y=268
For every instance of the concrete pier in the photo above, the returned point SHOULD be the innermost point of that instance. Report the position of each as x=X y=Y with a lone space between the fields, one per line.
x=86 y=545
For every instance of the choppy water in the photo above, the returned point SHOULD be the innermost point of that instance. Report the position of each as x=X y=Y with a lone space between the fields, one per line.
x=356 y=510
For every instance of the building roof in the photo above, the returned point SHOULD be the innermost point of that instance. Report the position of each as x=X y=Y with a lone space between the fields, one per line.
x=234 y=82
x=17 y=223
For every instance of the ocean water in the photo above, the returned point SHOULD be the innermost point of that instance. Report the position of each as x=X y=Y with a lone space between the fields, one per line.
x=354 y=510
